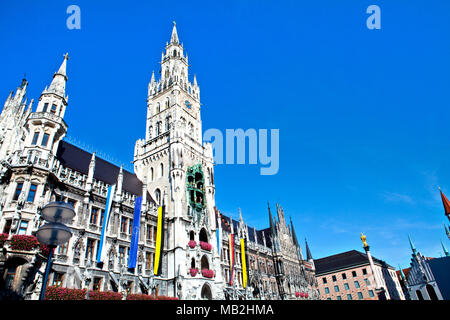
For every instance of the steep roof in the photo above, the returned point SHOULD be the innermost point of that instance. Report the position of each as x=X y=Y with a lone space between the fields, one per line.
x=226 y=225
x=77 y=159
x=344 y=260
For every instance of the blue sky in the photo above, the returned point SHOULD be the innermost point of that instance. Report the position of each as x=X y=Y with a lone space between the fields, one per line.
x=363 y=114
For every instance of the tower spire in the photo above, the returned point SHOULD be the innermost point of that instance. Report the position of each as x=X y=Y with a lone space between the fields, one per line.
x=294 y=237
x=58 y=85
x=445 y=250
x=308 y=252
x=446 y=204
x=174 y=37
x=413 y=248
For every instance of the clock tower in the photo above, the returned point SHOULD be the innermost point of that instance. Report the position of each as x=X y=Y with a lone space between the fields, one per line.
x=177 y=170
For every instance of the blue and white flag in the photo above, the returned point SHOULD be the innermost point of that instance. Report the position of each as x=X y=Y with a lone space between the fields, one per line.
x=135 y=233
x=109 y=200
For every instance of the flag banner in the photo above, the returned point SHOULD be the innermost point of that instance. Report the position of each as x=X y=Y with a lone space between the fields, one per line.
x=219 y=234
x=231 y=249
x=109 y=200
x=159 y=241
x=135 y=233
x=244 y=263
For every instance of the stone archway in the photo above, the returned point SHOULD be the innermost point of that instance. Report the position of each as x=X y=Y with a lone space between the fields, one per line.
x=431 y=292
x=206 y=293
x=204 y=263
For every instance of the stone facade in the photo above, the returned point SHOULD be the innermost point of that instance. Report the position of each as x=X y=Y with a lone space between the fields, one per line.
x=173 y=167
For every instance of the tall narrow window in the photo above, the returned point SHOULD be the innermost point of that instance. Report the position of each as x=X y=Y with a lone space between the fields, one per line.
x=7 y=226
x=53 y=110
x=58 y=279
x=130 y=227
x=94 y=216
x=10 y=275
x=45 y=140
x=123 y=225
x=18 y=190
x=162 y=170
x=44 y=109
x=90 y=249
x=97 y=283
x=102 y=215
x=32 y=192
x=35 y=138
x=23 y=227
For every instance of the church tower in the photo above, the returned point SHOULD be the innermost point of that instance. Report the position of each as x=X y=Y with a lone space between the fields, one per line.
x=177 y=168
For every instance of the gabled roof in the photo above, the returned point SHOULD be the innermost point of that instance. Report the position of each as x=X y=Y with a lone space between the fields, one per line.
x=226 y=225
x=344 y=260
x=77 y=159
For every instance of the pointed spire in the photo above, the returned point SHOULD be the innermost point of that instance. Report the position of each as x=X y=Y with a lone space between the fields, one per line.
x=413 y=248
x=174 y=37
x=401 y=273
x=445 y=250
x=58 y=84
x=294 y=237
x=446 y=203
x=308 y=252
x=272 y=228
x=195 y=80
x=152 y=80
x=447 y=231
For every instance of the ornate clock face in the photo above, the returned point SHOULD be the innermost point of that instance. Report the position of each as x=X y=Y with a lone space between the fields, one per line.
x=188 y=104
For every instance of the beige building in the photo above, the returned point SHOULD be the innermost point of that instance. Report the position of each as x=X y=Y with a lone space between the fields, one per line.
x=350 y=276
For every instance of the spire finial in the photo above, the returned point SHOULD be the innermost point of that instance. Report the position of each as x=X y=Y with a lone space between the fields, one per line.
x=174 y=37
x=413 y=248
x=445 y=250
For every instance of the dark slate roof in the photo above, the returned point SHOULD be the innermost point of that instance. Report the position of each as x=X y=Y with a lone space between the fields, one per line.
x=226 y=221
x=344 y=260
x=77 y=159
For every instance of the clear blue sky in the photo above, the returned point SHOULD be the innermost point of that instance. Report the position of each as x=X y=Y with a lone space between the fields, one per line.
x=363 y=114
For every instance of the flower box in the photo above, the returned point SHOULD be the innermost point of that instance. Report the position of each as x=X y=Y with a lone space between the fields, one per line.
x=140 y=297
x=193 y=272
x=104 y=295
x=3 y=238
x=58 y=293
x=205 y=246
x=297 y=294
x=207 y=273
x=23 y=242
x=192 y=244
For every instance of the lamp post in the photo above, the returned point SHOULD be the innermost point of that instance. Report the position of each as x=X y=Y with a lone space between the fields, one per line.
x=55 y=232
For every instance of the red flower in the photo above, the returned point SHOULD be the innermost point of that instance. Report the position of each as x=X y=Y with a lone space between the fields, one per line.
x=23 y=242
x=3 y=237
x=208 y=273
x=193 y=272
x=192 y=244
x=297 y=294
x=205 y=246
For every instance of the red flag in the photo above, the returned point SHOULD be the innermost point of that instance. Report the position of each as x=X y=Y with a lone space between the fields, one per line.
x=446 y=204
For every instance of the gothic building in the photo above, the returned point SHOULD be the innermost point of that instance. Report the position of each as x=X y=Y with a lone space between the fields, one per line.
x=174 y=170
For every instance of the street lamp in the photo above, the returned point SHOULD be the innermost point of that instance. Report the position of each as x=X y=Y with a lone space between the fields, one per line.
x=54 y=233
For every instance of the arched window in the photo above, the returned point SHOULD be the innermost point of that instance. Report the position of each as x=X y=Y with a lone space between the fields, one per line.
x=158 y=128
x=158 y=196
x=206 y=292
x=419 y=295
x=431 y=292
x=167 y=102
x=191 y=235
x=152 y=176
x=158 y=108
x=174 y=53
x=203 y=235
x=204 y=263
x=162 y=170
x=193 y=263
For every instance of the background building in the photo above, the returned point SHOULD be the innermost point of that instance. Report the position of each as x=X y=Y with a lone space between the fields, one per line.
x=350 y=276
